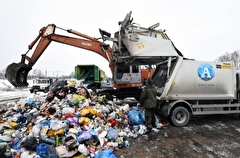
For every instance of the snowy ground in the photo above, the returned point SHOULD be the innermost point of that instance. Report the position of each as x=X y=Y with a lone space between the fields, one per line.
x=5 y=85
x=8 y=91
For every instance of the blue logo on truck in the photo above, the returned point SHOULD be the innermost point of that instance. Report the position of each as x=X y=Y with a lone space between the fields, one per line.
x=205 y=72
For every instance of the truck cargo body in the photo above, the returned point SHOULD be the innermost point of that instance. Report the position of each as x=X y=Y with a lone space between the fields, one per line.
x=188 y=87
x=90 y=74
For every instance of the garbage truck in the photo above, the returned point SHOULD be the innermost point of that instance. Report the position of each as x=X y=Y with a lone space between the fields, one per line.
x=188 y=88
x=185 y=87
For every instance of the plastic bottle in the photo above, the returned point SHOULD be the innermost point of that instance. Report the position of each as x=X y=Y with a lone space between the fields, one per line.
x=127 y=144
x=165 y=134
x=17 y=142
x=155 y=130
x=57 y=140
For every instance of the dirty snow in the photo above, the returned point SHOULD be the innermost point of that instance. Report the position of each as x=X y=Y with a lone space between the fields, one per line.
x=8 y=91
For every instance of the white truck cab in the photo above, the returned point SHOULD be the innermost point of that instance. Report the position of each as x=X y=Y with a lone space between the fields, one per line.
x=41 y=85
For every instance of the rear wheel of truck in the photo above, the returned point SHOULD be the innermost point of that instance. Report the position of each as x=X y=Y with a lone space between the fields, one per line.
x=180 y=116
x=46 y=90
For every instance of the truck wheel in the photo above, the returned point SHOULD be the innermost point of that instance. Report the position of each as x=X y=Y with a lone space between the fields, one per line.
x=180 y=116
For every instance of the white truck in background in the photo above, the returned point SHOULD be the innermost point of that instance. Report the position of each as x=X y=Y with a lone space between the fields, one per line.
x=40 y=85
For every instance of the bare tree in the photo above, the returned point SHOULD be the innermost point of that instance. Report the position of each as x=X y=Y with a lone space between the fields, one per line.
x=71 y=75
x=230 y=56
x=37 y=73
x=2 y=74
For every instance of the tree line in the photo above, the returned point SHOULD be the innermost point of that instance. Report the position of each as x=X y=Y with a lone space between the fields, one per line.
x=36 y=73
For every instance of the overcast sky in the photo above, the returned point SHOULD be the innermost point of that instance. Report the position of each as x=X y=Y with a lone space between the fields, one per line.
x=200 y=29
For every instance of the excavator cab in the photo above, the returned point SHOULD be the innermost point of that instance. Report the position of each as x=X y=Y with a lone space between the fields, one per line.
x=16 y=73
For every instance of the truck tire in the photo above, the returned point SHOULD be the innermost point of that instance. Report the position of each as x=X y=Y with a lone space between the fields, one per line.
x=46 y=90
x=180 y=116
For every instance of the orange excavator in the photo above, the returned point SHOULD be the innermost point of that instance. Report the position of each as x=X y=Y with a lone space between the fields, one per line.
x=133 y=47
x=127 y=79
x=17 y=73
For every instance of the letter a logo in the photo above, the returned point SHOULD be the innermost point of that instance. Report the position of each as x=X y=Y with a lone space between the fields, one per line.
x=206 y=72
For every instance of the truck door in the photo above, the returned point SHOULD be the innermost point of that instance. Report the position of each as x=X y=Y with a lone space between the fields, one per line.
x=127 y=74
x=135 y=73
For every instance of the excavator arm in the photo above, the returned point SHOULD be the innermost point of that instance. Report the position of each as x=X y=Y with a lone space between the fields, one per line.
x=16 y=73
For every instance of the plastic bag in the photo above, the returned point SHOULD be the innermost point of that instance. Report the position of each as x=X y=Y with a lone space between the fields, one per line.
x=28 y=154
x=35 y=131
x=46 y=151
x=112 y=134
x=17 y=118
x=93 y=111
x=83 y=149
x=135 y=117
x=105 y=154
x=83 y=112
x=33 y=101
x=58 y=124
x=68 y=110
x=57 y=87
x=85 y=135
x=125 y=108
x=3 y=147
x=101 y=137
x=44 y=123
x=84 y=120
x=73 y=121
x=30 y=143
x=85 y=103
x=77 y=98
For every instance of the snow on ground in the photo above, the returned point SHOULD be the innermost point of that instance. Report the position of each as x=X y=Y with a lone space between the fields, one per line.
x=5 y=85
x=8 y=91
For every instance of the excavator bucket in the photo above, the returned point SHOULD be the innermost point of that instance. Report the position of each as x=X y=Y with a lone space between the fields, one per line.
x=16 y=73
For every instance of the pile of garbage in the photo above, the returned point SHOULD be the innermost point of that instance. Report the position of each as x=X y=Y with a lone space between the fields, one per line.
x=70 y=121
